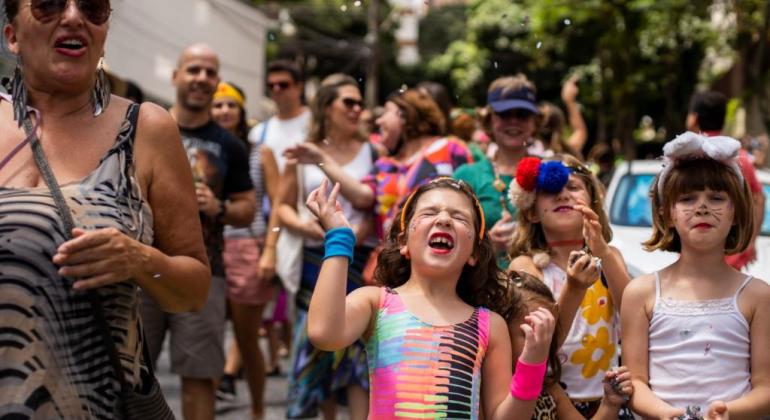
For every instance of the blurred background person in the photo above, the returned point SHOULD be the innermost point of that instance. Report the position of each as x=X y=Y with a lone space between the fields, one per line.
x=510 y=121
x=319 y=379
x=285 y=85
x=248 y=270
x=551 y=122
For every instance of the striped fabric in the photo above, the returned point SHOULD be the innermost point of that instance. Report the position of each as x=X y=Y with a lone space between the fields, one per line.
x=53 y=361
x=422 y=371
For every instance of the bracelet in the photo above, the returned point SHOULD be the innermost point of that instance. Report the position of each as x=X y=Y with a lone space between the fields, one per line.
x=339 y=242
x=528 y=380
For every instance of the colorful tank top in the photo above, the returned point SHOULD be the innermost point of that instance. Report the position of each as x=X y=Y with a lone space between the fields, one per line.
x=53 y=361
x=418 y=370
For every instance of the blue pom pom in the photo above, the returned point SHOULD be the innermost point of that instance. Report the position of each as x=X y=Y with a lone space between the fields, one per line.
x=553 y=176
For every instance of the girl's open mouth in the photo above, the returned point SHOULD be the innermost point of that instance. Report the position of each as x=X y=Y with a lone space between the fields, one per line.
x=441 y=243
x=562 y=209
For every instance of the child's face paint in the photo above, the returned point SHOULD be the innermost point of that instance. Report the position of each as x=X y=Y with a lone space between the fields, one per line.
x=703 y=218
x=442 y=231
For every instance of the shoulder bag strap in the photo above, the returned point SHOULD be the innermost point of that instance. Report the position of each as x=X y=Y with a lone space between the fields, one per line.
x=69 y=224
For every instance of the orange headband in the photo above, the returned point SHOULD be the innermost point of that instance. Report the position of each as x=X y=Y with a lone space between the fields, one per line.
x=409 y=199
x=226 y=90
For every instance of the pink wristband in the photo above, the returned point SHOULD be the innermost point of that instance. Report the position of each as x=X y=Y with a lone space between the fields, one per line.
x=528 y=380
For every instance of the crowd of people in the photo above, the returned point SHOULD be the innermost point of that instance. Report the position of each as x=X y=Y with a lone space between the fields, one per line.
x=425 y=264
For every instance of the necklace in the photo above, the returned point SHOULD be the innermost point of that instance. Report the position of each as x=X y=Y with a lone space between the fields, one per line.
x=568 y=242
x=501 y=187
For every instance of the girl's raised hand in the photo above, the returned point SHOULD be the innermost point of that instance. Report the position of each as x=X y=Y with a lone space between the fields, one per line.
x=617 y=386
x=592 y=231
x=538 y=332
x=326 y=208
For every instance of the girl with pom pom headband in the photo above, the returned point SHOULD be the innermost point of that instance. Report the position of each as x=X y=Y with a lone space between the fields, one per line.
x=562 y=237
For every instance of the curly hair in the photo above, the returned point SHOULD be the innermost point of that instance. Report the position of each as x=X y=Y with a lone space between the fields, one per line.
x=482 y=284
x=526 y=288
x=529 y=238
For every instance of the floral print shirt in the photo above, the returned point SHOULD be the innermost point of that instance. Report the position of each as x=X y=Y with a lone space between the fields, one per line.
x=591 y=347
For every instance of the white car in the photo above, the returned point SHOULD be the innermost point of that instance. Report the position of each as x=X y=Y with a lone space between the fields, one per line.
x=630 y=214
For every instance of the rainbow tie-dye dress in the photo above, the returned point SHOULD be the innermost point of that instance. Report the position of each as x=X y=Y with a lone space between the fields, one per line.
x=421 y=371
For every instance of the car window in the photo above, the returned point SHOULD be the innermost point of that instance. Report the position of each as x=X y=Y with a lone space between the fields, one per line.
x=766 y=220
x=631 y=204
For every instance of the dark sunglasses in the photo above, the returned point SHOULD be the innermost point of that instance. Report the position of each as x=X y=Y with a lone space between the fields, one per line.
x=351 y=103
x=279 y=85
x=96 y=11
x=519 y=114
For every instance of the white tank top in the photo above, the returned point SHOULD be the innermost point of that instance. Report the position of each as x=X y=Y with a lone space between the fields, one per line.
x=699 y=350
x=591 y=347
x=359 y=167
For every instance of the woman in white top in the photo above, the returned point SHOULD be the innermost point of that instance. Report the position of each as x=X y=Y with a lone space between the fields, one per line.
x=318 y=379
x=695 y=334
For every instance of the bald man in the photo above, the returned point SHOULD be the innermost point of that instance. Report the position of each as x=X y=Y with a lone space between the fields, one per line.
x=225 y=196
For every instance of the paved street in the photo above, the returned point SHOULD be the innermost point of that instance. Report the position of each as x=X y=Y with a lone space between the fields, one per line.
x=275 y=395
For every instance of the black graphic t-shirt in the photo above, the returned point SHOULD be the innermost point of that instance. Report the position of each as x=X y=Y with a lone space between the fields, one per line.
x=220 y=161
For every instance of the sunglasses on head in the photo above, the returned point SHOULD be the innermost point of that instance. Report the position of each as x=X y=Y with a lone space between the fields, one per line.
x=96 y=11
x=519 y=114
x=351 y=103
x=280 y=85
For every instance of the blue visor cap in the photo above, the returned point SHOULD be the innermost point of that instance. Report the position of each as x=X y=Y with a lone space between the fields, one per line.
x=501 y=100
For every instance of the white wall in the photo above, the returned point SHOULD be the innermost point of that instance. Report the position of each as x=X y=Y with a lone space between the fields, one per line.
x=147 y=36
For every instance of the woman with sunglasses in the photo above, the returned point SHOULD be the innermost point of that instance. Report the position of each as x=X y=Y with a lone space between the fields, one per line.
x=319 y=379
x=510 y=121
x=118 y=172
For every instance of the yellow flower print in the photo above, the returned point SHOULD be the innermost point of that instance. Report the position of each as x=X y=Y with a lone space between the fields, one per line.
x=591 y=345
x=597 y=304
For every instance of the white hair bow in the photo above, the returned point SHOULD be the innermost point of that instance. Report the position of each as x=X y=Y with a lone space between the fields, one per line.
x=690 y=145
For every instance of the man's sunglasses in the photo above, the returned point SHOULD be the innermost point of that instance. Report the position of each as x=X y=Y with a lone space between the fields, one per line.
x=519 y=114
x=280 y=85
x=351 y=103
x=96 y=11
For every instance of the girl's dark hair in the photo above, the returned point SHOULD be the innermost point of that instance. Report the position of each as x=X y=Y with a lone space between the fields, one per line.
x=482 y=284
x=526 y=287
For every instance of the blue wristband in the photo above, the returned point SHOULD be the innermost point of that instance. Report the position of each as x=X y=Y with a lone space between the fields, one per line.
x=339 y=242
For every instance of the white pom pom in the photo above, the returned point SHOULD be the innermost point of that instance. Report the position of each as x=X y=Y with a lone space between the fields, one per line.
x=519 y=197
x=541 y=259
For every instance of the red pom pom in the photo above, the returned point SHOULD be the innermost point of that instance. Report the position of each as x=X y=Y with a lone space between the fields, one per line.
x=526 y=173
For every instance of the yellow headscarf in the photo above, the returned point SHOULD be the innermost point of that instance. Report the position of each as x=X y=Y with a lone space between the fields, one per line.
x=226 y=90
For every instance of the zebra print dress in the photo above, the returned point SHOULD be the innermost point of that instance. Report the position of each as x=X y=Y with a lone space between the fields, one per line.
x=53 y=362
